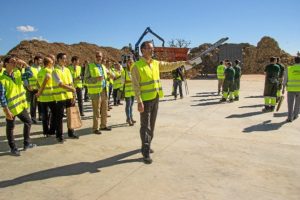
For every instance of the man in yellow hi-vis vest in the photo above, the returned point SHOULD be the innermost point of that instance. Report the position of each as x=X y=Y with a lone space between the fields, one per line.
x=33 y=89
x=13 y=101
x=95 y=77
x=75 y=70
x=63 y=92
x=220 y=76
x=147 y=87
x=292 y=82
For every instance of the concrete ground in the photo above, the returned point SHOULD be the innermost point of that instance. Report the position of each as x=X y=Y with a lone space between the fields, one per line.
x=203 y=150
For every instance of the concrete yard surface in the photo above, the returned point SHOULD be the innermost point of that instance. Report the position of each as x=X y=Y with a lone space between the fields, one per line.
x=203 y=150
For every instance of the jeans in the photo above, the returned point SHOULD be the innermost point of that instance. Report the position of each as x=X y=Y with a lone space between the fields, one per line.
x=128 y=107
x=10 y=125
x=116 y=96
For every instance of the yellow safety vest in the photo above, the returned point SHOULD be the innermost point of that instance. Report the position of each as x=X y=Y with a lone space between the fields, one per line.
x=47 y=94
x=220 y=72
x=61 y=94
x=128 y=83
x=293 y=82
x=33 y=80
x=118 y=80
x=95 y=88
x=1 y=71
x=14 y=93
x=111 y=71
x=75 y=74
x=150 y=84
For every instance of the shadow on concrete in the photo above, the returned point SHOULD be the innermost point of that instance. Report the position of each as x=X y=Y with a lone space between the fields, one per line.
x=284 y=114
x=253 y=97
x=206 y=95
x=164 y=100
x=73 y=169
x=264 y=126
x=119 y=125
x=253 y=106
x=39 y=141
x=245 y=114
x=207 y=103
x=211 y=99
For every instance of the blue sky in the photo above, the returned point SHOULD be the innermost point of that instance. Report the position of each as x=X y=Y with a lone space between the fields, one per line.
x=117 y=23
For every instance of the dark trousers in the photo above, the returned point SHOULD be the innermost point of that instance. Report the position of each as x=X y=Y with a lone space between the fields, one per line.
x=58 y=116
x=177 y=84
x=116 y=96
x=148 y=118
x=110 y=91
x=128 y=107
x=10 y=125
x=86 y=97
x=79 y=99
x=47 y=118
x=33 y=104
x=293 y=100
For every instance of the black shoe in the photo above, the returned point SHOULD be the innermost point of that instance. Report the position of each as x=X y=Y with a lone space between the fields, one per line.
x=151 y=151
x=82 y=115
x=295 y=117
x=236 y=98
x=29 y=146
x=288 y=120
x=60 y=140
x=223 y=100
x=105 y=129
x=231 y=100
x=133 y=121
x=97 y=132
x=147 y=160
x=73 y=136
x=15 y=152
x=34 y=121
x=266 y=109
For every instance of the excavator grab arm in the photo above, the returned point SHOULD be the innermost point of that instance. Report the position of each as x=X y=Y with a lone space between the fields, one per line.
x=147 y=30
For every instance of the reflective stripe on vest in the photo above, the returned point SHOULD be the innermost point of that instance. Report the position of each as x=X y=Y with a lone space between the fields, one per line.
x=149 y=80
x=128 y=84
x=65 y=76
x=220 y=72
x=14 y=93
x=94 y=88
x=293 y=83
x=47 y=94
x=118 y=80
x=33 y=80
x=76 y=74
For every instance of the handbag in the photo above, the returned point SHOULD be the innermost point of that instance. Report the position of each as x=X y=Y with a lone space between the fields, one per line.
x=73 y=118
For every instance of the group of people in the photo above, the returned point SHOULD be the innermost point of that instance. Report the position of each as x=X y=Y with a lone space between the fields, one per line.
x=279 y=78
x=229 y=77
x=53 y=85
